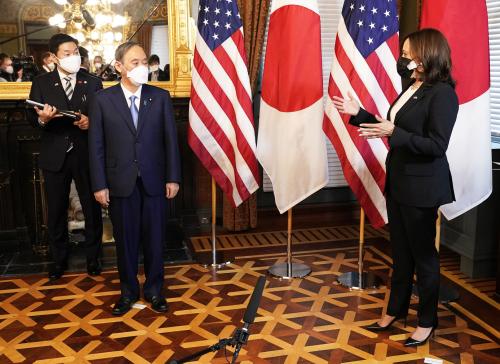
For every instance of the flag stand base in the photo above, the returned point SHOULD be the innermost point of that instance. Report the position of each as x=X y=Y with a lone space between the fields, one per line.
x=219 y=261
x=286 y=271
x=351 y=280
x=360 y=279
x=289 y=270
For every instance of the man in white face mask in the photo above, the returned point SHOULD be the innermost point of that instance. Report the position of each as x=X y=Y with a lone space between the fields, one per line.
x=155 y=72
x=6 y=68
x=48 y=63
x=135 y=168
x=64 y=150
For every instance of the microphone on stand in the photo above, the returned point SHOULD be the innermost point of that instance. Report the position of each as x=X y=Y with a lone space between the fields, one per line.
x=88 y=17
x=241 y=335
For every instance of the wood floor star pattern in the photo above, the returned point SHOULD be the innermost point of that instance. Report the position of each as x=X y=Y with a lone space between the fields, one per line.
x=310 y=320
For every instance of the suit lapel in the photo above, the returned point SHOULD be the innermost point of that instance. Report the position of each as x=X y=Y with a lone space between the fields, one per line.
x=80 y=90
x=388 y=116
x=58 y=88
x=144 y=108
x=121 y=105
x=414 y=99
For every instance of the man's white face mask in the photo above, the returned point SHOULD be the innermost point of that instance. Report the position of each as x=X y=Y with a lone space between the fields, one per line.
x=138 y=75
x=71 y=64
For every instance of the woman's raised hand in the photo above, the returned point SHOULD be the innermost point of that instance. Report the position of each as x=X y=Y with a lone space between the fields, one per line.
x=346 y=106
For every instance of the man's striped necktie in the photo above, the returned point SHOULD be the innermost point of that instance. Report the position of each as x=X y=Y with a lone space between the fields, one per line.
x=68 y=88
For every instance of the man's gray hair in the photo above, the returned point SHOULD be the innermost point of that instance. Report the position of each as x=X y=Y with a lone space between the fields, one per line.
x=123 y=49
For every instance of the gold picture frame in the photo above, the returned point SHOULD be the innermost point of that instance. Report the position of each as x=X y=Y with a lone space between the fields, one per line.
x=181 y=54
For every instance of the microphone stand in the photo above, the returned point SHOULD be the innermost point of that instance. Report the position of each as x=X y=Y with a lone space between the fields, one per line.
x=216 y=347
x=33 y=31
x=239 y=338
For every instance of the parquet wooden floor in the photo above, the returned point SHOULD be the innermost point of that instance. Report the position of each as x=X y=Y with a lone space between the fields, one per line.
x=311 y=320
x=270 y=239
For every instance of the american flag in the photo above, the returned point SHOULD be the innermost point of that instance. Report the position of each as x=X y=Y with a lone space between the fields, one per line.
x=364 y=63
x=221 y=129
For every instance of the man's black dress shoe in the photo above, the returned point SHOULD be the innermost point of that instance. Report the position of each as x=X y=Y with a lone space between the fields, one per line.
x=123 y=305
x=56 y=272
x=94 y=268
x=158 y=303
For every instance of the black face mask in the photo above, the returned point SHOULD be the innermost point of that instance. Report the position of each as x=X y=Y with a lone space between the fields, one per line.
x=402 y=67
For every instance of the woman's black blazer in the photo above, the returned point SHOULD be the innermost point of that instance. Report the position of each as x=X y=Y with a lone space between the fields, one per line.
x=417 y=170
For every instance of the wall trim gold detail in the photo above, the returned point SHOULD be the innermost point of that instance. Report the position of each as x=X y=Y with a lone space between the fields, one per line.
x=181 y=54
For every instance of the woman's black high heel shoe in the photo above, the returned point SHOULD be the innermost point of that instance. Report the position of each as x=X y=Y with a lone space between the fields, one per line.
x=410 y=342
x=377 y=328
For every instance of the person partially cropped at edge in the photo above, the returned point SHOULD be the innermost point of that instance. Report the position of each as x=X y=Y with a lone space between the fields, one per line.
x=418 y=179
x=64 y=154
x=135 y=168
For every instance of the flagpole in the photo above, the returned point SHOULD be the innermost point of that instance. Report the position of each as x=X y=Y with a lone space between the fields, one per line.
x=217 y=258
x=361 y=245
x=214 y=222
x=360 y=279
x=289 y=245
x=289 y=269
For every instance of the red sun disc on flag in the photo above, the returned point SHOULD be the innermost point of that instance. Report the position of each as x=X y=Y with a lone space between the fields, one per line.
x=470 y=54
x=283 y=76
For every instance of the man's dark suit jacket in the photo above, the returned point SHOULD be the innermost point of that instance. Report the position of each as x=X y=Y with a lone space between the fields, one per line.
x=119 y=152
x=59 y=132
x=417 y=170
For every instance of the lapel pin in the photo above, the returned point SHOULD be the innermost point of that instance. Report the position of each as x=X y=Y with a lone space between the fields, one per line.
x=56 y=84
x=415 y=97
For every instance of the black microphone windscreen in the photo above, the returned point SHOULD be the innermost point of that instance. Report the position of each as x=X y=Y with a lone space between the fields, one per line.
x=253 y=305
x=88 y=18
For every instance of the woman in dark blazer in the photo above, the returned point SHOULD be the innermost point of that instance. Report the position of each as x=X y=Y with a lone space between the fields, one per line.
x=418 y=179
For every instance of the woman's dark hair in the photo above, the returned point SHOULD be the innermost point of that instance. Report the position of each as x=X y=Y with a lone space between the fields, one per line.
x=3 y=57
x=154 y=59
x=430 y=47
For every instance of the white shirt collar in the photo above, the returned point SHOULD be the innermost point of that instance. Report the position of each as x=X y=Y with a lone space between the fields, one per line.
x=62 y=76
x=127 y=93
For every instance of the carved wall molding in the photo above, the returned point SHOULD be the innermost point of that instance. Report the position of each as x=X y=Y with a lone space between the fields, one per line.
x=181 y=44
